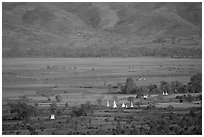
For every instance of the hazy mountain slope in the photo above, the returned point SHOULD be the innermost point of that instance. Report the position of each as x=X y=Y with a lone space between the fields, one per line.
x=35 y=29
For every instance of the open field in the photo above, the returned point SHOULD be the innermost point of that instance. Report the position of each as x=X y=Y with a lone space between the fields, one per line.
x=90 y=75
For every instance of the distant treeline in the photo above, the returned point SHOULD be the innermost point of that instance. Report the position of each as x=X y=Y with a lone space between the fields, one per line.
x=194 y=86
x=114 y=51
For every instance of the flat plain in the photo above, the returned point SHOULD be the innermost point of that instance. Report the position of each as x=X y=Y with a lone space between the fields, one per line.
x=90 y=75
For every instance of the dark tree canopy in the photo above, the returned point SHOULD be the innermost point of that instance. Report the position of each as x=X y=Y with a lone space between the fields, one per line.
x=175 y=86
x=58 y=98
x=130 y=85
x=196 y=83
x=53 y=107
x=164 y=86
x=22 y=110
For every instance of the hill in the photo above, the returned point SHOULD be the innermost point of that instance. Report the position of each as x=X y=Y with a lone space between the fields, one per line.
x=101 y=29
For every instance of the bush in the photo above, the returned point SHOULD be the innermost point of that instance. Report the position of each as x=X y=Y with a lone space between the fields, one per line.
x=196 y=83
x=83 y=110
x=175 y=85
x=159 y=40
x=129 y=86
x=22 y=110
x=190 y=98
x=170 y=107
x=180 y=100
x=99 y=101
x=58 y=98
x=53 y=108
x=164 y=86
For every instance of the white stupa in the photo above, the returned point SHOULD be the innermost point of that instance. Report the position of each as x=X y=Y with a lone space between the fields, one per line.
x=108 y=104
x=123 y=105
x=126 y=106
x=114 y=104
x=131 y=105
x=163 y=93
x=145 y=96
x=52 y=116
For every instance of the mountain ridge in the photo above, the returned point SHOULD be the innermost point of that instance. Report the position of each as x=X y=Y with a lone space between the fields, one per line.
x=40 y=27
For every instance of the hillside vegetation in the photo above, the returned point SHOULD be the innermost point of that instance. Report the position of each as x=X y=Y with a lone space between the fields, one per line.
x=101 y=29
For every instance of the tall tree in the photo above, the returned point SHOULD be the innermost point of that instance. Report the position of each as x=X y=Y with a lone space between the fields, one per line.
x=196 y=83
x=129 y=86
x=58 y=98
x=22 y=110
x=164 y=86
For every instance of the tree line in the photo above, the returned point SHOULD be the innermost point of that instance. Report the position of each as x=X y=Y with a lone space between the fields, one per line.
x=113 y=51
x=194 y=86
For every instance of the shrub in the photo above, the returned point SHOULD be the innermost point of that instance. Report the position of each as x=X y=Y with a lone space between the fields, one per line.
x=180 y=100
x=99 y=101
x=58 y=98
x=164 y=86
x=84 y=109
x=129 y=86
x=190 y=98
x=196 y=83
x=22 y=110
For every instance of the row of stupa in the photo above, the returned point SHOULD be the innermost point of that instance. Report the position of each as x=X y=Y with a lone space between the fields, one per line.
x=165 y=93
x=123 y=105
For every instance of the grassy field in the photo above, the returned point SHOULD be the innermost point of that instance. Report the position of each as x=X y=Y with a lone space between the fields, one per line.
x=23 y=76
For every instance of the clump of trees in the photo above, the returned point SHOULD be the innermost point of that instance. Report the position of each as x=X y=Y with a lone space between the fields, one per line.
x=194 y=86
x=129 y=86
x=22 y=111
x=196 y=83
x=109 y=51
x=83 y=110
x=189 y=98
x=171 y=124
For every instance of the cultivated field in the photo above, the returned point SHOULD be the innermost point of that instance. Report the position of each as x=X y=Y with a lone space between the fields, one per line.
x=90 y=75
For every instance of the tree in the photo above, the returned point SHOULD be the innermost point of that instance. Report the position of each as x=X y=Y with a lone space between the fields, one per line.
x=66 y=105
x=181 y=100
x=157 y=90
x=175 y=85
x=84 y=109
x=99 y=101
x=190 y=98
x=183 y=89
x=129 y=86
x=151 y=88
x=58 y=98
x=196 y=83
x=164 y=86
x=115 y=98
x=143 y=90
x=23 y=99
x=159 y=40
x=22 y=110
x=130 y=99
x=53 y=108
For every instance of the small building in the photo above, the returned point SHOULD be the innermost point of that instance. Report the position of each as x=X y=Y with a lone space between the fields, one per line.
x=52 y=116
x=145 y=96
